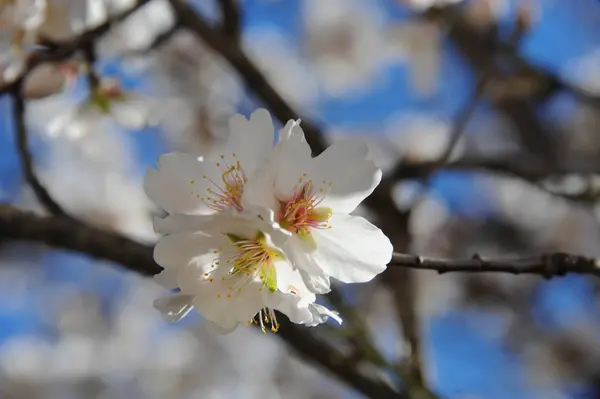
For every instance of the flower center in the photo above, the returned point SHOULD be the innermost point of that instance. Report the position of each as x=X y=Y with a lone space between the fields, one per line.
x=241 y=262
x=229 y=192
x=302 y=212
x=107 y=93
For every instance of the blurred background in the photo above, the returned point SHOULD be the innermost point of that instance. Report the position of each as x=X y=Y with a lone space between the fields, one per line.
x=483 y=114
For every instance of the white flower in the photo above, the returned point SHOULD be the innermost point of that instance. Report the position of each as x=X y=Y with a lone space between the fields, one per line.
x=231 y=274
x=129 y=110
x=19 y=23
x=186 y=184
x=422 y=5
x=312 y=199
x=308 y=200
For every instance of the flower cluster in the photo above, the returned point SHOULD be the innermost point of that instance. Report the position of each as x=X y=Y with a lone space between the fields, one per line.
x=258 y=227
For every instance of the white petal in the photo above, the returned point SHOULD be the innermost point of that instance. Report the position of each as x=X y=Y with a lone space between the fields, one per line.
x=312 y=274
x=251 y=140
x=175 y=251
x=222 y=330
x=178 y=223
x=213 y=303
x=175 y=307
x=167 y=279
x=352 y=251
x=353 y=177
x=292 y=159
x=317 y=283
x=321 y=314
x=295 y=307
x=178 y=184
x=133 y=113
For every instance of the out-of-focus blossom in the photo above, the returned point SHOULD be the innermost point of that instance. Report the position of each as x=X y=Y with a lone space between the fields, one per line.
x=346 y=44
x=288 y=72
x=419 y=138
x=20 y=21
x=108 y=100
x=422 y=5
x=585 y=71
x=138 y=31
x=49 y=79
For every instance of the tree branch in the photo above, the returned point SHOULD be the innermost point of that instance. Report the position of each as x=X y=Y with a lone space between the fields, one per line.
x=231 y=19
x=57 y=232
x=22 y=136
x=547 y=265
x=249 y=73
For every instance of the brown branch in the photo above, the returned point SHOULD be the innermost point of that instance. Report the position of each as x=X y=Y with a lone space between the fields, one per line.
x=57 y=232
x=22 y=136
x=547 y=265
x=249 y=73
x=520 y=165
x=231 y=19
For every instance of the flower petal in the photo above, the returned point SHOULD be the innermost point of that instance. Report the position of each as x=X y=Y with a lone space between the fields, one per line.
x=352 y=251
x=174 y=307
x=321 y=314
x=227 y=311
x=251 y=140
x=178 y=223
x=292 y=158
x=167 y=279
x=352 y=176
x=176 y=185
x=175 y=251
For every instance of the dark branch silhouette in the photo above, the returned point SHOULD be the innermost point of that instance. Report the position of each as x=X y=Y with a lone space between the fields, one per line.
x=22 y=136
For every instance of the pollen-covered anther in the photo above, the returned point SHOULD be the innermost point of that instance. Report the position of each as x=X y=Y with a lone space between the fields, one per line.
x=266 y=317
x=303 y=212
x=227 y=193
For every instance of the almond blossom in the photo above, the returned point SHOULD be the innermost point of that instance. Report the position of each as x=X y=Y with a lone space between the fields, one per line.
x=312 y=199
x=299 y=204
x=233 y=275
x=108 y=99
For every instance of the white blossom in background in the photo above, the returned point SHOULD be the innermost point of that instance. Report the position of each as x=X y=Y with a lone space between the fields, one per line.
x=65 y=19
x=49 y=79
x=139 y=30
x=345 y=44
x=585 y=71
x=274 y=54
x=295 y=209
x=197 y=92
x=422 y=5
x=20 y=21
x=25 y=22
x=107 y=101
x=421 y=138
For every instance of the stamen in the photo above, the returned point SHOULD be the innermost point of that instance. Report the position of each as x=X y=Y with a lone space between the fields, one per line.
x=302 y=212
x=248 y=259
x=229 y=193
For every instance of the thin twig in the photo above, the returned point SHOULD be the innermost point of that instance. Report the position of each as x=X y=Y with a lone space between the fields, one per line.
x=22 y=136
x=547 y=265
x=89 y=55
